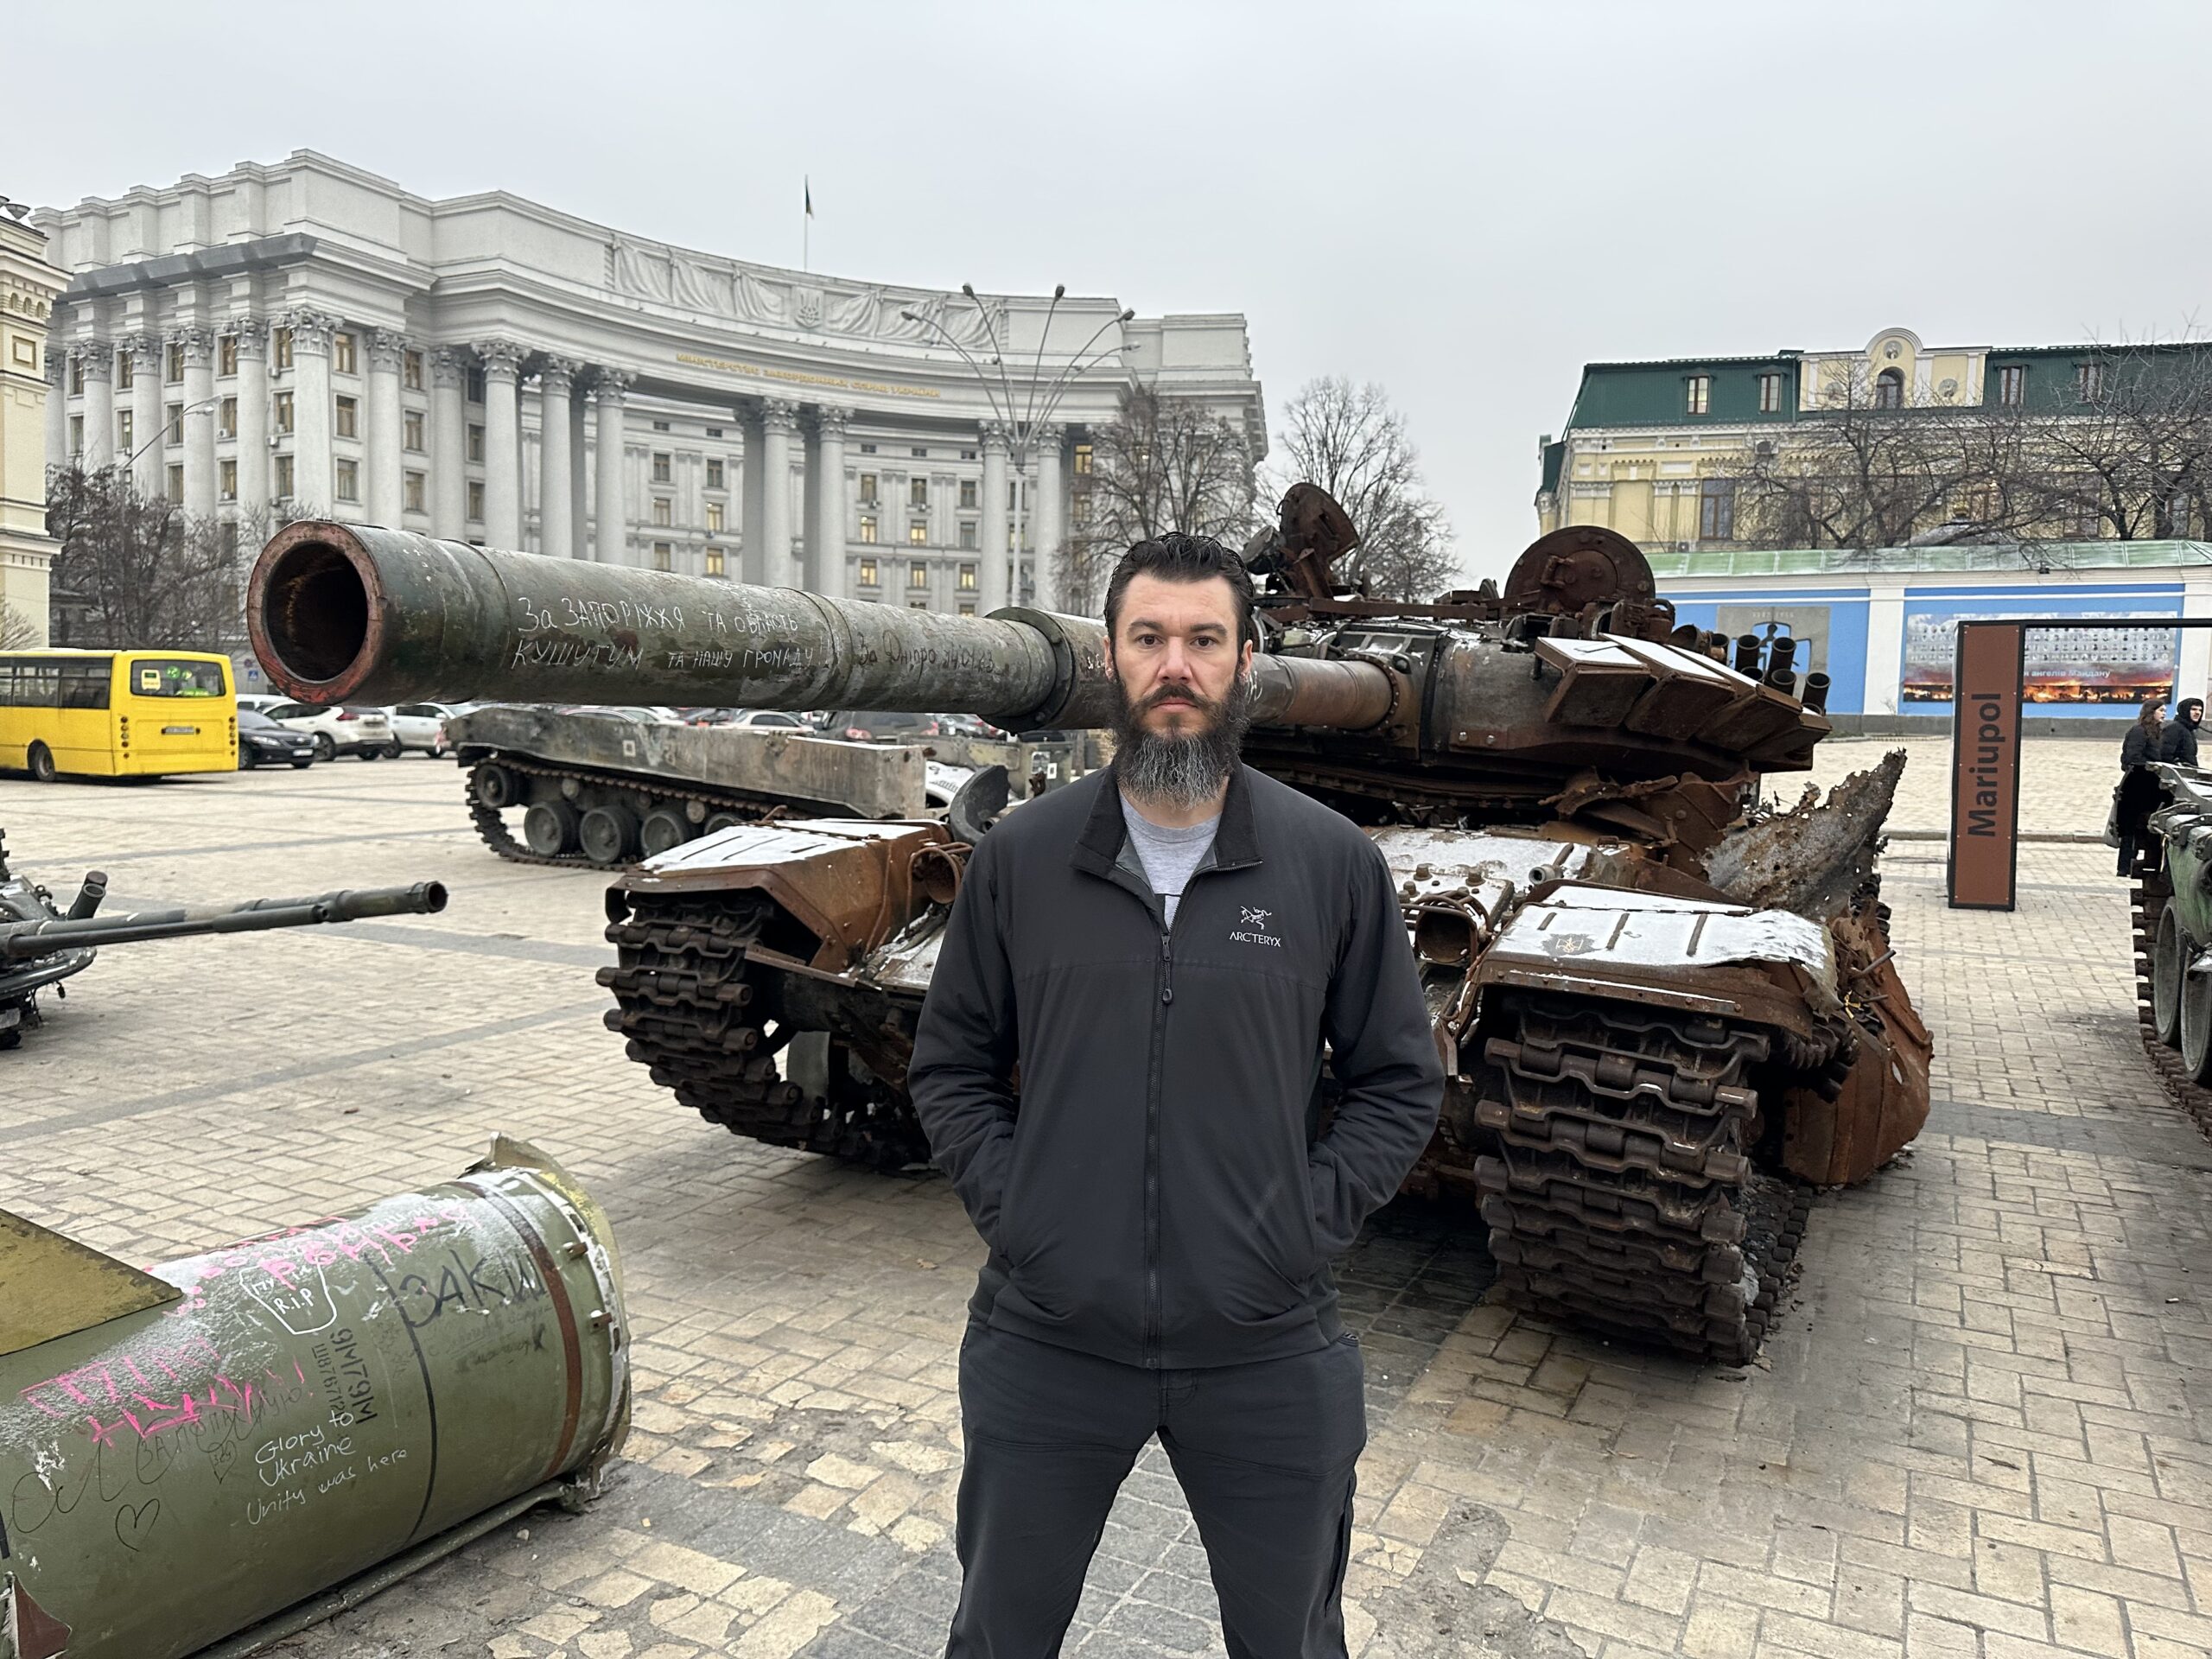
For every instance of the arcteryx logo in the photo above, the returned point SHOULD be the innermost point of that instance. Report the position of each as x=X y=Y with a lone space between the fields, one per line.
x=1253 y=920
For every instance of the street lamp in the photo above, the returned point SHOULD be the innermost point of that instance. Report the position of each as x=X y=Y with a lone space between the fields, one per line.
x=1024 y=414
x=161 y=435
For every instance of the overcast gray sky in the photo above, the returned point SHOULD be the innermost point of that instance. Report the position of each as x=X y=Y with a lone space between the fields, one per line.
x=1464 y=202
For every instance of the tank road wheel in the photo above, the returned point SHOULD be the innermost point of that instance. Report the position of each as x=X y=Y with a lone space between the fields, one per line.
x=609 y=834
x=40 y=759
x=2195 y=1023
x=550 y=828
x=718 y=821
x=2169 y=958
x=496 y=786
x=1620 y=1193
x=664 y=827
x=709 y=1026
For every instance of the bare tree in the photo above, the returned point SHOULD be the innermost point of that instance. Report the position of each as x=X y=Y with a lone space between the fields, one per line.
x=19 y=631
x=2124 y=451
x=1163 y=463
x=134 y=570
x=1351 y=441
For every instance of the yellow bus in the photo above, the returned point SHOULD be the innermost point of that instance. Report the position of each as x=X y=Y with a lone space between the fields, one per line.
x=117 y=714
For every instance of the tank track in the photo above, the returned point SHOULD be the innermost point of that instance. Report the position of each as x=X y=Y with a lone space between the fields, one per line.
x=709 y=1031
x=2147 y=903
x=492 y=828
x=1622 y=1196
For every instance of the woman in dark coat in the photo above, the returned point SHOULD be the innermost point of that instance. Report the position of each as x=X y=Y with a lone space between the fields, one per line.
x=2137 y=795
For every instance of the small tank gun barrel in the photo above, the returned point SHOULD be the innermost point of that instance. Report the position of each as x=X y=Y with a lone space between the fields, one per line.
x=24 y=941
x=347 y=613
x=1342 y=693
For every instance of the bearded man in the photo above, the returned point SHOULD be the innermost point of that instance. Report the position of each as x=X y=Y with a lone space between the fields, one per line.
x=1165 y=950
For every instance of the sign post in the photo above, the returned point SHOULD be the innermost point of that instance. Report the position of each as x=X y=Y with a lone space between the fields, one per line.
x=1986 y=693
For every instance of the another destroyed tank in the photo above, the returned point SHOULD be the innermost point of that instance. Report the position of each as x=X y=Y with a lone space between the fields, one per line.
x=41 y=944
x=1663 y=1025
x=2172 y=908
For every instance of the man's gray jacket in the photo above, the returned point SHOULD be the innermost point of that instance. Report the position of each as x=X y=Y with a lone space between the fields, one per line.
x=1159 y=1192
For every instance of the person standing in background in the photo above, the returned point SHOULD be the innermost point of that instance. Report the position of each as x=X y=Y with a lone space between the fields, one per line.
x=2137 y=794
x=2178 y=742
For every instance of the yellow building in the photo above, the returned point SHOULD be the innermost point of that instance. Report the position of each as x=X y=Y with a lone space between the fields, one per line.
x=28 y=288
x=1656 y=450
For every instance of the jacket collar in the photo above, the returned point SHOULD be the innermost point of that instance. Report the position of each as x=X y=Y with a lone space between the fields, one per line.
x=1235 y=844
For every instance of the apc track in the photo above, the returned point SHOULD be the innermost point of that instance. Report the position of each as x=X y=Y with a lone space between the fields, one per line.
x=721 y=811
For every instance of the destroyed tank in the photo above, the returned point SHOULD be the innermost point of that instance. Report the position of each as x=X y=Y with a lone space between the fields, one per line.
x=41 y=944
x=2172 y=912
x=1665 y=1021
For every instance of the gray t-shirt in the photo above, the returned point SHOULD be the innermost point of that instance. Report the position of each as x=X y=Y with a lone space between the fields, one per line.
x=1169 y=855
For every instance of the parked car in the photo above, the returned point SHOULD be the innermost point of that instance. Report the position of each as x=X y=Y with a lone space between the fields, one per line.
x=878 y=725
x=773 y=719
x=261 y=739
x=349 y=730
x=968 y=725
x=422 y=727
x=260 y=701
x=637 y=711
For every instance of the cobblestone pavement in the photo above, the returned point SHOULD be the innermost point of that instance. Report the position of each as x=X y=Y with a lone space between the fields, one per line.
x=1975 y=1432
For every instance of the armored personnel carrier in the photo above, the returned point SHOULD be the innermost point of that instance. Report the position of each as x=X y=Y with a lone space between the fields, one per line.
x=1663 y=1022
x=41 y=944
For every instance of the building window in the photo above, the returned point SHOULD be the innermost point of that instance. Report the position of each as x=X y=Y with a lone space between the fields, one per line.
x=967 y=491
x=2011 y=385
x=1081 y=459
x=918 y=532
x=967 y=454
x=414 y=493
x=1716 y=510
x=349 y=417
x=663 y=510
x=126 y=371
x=1079 y=507
x=410 y=369
x=1889 y=388
x=660 y=467
x=917 y=491
x=2089 y=381
x=474 y=382
x=966 y=607
x=284 y=411
x=173 y=364
x=867 y=489
x=76 y=435
x=476 y=500
x=918 y=575
x=341 y=354
x=1012 y=486
x=920 y=453
x=349 y=480
x=714 y=517
x=715 y=562
x=918 y=604
x=867 y=528
x=174 y=424
x=660 y=426
x=123 y=432
x=1769 y=394
x=715 y=474
x=967 y=532
x=968 y=578
x=76 y=377
x=1700 y=394
x=226 y=354
x=176 y=483
x=663 y=556
x=867 y=448
x=410 y=427
x=714 y=431
x=226 y=418
x=280 y=349
x=476 y=443
x=868 y=573
x=283 y=481
x=226 y=474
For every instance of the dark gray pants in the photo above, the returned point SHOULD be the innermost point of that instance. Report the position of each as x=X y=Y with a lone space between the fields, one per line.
x=1265 y=1453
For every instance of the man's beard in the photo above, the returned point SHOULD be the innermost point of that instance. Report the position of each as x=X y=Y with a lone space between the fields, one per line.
x=1184 y=769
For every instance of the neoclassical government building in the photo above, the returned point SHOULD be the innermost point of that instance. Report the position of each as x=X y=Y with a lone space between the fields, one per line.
x=308 y=338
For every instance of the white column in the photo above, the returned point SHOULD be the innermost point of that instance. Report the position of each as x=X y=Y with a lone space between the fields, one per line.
x=826 y=552
x=612 y=523
x=147 y=440
x=386 y=494
x=579 y=520
x=1049 y=514
x=98 y=359
x=556 y=499
x=1884 y=646
x=449 y=445
x=57 y=406
x=313 y=484
x=502 y=442
x=778 y=422
x=199 y=422
x=991 y=587
x=752 y=490
x=2193 y=673
x=252 y=334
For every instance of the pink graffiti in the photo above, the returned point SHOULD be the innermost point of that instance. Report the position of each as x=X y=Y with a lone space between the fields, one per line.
x=183 y=1396
x=292 y=1251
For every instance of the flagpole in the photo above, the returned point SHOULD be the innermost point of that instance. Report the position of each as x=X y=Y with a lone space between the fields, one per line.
x=806 y=229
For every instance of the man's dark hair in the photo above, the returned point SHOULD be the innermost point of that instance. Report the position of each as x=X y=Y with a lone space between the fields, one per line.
x=1178 y=557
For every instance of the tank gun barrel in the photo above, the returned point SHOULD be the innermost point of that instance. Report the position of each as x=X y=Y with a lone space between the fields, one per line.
x=27 y=940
